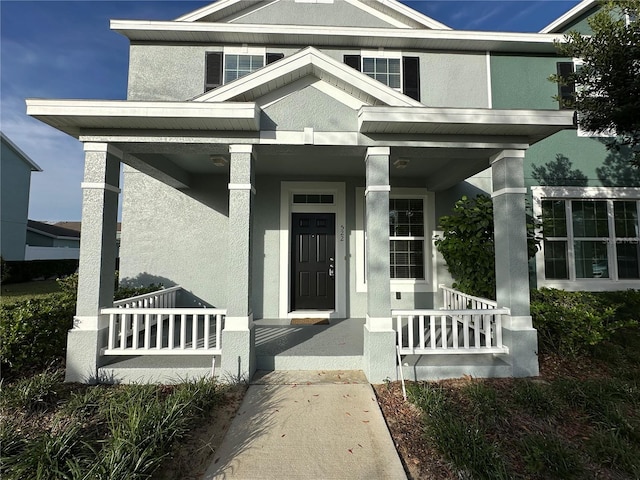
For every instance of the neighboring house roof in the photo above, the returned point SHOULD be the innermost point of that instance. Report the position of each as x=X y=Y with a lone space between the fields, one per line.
x=25 y=158
x=77 y=226
x=51 y=230
x=558 y=25
x=391 y=11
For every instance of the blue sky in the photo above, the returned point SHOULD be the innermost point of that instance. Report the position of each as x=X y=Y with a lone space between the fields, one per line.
x=65 y=49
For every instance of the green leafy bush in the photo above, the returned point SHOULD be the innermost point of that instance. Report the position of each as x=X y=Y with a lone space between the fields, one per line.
x=467 y=245
x=33 y=333
x=571 y=323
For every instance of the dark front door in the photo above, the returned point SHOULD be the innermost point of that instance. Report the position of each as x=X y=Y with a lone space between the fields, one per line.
x=312 y=261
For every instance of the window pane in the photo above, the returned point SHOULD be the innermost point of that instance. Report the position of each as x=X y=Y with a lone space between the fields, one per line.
x=232 y=62
x=555 y=260
x=628 y=254
x=394 y=66
x=406 y=217
x=368 y=65
x=554 y=218
x=591 y=259
x=590 y=218
x=394 y=81
x=626 y=219
x=406 y=259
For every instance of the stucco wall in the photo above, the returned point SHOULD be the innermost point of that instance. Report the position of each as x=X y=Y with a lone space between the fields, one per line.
x=522 y=81
x=336 y=14
x=15 y=176
x=176 y=237
x=453 y=79
x=175 y=72
x=309 y=108
x=587 y=157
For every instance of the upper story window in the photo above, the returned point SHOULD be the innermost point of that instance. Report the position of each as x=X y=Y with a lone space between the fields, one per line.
x=567 y=90
x=233 y=63
x=236 y=66
x=399 y=72
x=385 y=70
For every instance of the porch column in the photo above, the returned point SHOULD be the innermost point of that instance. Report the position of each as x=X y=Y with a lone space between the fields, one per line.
x=96 y=277
x=379 y=336
x=512 y=272
x=238 y=353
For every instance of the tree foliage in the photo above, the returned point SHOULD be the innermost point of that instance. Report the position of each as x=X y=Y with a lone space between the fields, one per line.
x=467 y=245
x=607 y=96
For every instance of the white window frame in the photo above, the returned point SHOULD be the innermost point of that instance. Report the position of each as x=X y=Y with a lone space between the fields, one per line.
x=610 y=194
x=241 y=50
x=358 y=249
x=581 y=132
x=375 y=54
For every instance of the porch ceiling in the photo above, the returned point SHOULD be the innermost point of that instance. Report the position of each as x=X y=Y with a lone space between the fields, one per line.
x=435 y=168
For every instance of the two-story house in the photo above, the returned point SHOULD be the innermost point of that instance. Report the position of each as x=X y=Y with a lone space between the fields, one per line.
x=285 y=163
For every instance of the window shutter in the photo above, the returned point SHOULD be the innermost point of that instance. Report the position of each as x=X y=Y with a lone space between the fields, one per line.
x=353 y=61
x=274 y=57
x=411 y=77
x=565 y=92
x=213 y=74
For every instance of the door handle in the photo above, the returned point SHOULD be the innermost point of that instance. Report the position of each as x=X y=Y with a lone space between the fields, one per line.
x=332 y=272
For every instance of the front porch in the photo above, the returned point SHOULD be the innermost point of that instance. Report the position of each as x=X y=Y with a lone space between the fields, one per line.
x=150 y=339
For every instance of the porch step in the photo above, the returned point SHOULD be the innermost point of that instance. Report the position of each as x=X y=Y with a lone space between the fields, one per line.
x=440 y=367
x=308 y=362
x=166 y=369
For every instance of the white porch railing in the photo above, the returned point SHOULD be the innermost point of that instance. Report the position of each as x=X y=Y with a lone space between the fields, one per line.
x=165 y=298
x=151 y=324
x=467 y=324
x=456 y=300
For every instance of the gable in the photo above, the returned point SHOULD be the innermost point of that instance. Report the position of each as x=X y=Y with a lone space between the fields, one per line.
x=575 y=19
x=335 y=13
x=310 y=104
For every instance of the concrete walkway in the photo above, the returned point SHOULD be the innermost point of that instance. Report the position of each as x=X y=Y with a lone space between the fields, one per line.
x=308 y=425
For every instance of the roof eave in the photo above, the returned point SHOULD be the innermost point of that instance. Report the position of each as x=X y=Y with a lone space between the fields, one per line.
x=72 y=116
x=137 y=30
x=570 y=16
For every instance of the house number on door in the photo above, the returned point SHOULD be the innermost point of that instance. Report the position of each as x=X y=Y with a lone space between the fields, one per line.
x=342 y=233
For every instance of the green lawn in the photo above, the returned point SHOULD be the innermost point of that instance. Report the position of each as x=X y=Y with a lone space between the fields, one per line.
x=15 y=292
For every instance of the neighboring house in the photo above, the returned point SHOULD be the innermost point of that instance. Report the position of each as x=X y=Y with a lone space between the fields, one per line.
x=15 y=175
x=46 y=241
x=289 y=160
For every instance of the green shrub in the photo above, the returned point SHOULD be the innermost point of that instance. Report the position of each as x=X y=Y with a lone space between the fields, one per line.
x=610 y=448
x=536 y=398
x=467 y=245
x=36 y=393
x=572 y=323
x=33 y=333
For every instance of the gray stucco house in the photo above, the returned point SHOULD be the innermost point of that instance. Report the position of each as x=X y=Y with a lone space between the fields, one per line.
x=286 y=162
x=15 y=175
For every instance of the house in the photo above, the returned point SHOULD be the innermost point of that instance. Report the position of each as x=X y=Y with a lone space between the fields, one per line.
x=15 y=175
x=286 y=162
x=47 y=241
